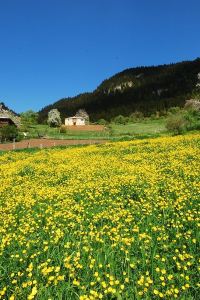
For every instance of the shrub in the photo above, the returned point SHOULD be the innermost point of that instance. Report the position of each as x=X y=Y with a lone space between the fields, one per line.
x=8 y=133
x=63 y=129
x=121 y=120
x=28 y=119
x=192 y=118
x=176 y=123
x=173 y=110
x=136 y=116
x=102 y=122
x=163 y=113
x=192 y=104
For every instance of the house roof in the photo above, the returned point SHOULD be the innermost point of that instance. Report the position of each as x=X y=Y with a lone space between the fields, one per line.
x=74 y=117
x=6 y=116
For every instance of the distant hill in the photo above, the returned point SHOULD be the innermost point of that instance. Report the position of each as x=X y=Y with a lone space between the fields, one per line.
x=145 y=89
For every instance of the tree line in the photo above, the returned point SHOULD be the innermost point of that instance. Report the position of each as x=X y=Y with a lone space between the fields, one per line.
x=144 y=89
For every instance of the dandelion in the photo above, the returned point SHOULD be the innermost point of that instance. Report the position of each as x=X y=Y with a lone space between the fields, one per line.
x=101 y=219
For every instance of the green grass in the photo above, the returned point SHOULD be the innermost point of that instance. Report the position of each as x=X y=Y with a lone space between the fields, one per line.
x=148 y=128
x=54 y=133
x=145 y=128
x=139 y=130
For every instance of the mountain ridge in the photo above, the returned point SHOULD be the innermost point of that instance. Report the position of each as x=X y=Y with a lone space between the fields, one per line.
x=146 y=89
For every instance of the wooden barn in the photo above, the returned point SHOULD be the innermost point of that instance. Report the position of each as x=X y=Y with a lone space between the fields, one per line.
x=6 y=120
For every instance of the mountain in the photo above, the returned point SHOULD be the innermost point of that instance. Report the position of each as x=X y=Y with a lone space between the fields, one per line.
x=144 y=89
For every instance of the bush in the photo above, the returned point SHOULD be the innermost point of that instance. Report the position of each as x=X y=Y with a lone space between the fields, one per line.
x=63 y=129
x=173 y=110
x=121 y=120
x=28 y=119
x=192 y=104
x=192 y=118
x=109 y=129
x=176 y=123
x=9 y=133
x=185 y=119
x=136 y=116
x=153 y=116
x=102 y=122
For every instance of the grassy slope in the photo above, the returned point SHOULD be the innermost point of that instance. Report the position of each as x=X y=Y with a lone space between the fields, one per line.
x=55 y=133
x=146 y=127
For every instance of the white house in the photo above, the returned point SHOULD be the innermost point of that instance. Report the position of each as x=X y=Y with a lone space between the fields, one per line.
x=74 y=121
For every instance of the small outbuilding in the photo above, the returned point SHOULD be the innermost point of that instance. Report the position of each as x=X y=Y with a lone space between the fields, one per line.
x=80 y=118
x=73 y=121
x=6 y=120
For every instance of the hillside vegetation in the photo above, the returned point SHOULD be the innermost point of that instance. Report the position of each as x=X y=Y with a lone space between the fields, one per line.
x=144 y=89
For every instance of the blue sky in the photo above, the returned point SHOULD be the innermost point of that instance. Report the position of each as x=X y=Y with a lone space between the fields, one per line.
x=50 y=49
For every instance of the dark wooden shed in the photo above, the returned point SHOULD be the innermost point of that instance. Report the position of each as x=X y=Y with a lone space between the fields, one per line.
x=6 y=121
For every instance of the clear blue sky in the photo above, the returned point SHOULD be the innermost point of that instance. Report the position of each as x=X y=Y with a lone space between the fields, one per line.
x=51 y=49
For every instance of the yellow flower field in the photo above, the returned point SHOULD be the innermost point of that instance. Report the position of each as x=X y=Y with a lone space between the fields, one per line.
x=116 y=221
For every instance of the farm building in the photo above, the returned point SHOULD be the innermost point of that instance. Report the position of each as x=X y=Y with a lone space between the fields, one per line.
x=80 y=118
x=6 y=120
x=74 y=121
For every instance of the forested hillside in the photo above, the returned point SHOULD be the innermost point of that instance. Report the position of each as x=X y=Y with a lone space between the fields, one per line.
x=145 y=89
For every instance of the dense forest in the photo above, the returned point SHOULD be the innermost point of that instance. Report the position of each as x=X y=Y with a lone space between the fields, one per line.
x=144 y=89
